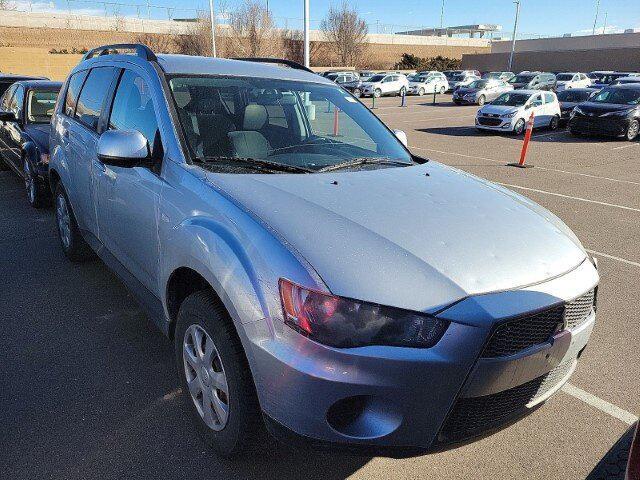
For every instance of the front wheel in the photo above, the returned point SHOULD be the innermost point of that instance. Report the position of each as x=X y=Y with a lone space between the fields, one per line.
x=518 y=128
x=632 y=130
x=377 y=93
x=421 y=92
x=37 y=194
x=73 y=245
x=442 y=90
x=357 y=93
x=481 y=100
x=215 y=376
x=553 y=124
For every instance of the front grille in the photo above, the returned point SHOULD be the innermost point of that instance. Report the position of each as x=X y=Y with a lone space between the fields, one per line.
x=577 y=311
x=524 y=332
x=521 y=333
x=470 y=417
x=491 y=122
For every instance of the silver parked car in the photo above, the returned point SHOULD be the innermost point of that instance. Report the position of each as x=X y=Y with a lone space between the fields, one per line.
x=480 y=91
x=313 y=275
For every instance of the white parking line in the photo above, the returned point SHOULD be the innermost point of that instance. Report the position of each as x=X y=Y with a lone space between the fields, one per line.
x=602 y=405
x=613 y=257
x=503 y=162
x=626 y=146
x=606 y=204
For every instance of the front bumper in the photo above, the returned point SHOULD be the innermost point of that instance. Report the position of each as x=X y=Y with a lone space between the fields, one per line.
x=390 y=400
x=497 y=124
x=464 y=99
x=609 y=126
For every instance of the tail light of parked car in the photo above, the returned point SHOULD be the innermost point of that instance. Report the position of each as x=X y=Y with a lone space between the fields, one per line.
x=346 y=323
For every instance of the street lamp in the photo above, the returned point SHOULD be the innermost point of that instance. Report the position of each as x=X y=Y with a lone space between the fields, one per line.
x=306 y=33
x=213 y=29
x=515 y=32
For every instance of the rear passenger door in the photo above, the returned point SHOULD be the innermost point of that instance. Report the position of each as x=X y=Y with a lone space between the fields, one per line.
x=81 y=131
x=127 y=197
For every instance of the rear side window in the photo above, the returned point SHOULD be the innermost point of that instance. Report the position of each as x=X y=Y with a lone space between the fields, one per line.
x=4 y=86
x=548 y=98
x=15 y=103
x=93 y=95
x=133 y=109
x=6 y=98
x=75 y=84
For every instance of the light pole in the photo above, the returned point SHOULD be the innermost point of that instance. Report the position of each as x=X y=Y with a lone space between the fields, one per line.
x=595 y=20
x=306 y=33
x=515 y=32
x=213 y=29
x=442 y=15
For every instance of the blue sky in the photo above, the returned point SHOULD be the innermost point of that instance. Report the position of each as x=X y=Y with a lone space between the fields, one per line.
x=542 y=17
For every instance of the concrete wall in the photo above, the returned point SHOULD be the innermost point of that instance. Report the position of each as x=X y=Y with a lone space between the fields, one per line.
x=587 y=42
x=624 y=59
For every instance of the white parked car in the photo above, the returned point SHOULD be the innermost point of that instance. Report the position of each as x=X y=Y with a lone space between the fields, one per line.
x=566 y=81
x=510 y=111
x=427 y=82
x=385 y=84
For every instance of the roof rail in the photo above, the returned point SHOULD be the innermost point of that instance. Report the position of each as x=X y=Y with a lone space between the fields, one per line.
x=281 y=61
x=141 y=51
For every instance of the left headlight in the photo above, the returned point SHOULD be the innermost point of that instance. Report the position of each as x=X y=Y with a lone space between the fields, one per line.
x=346 y=323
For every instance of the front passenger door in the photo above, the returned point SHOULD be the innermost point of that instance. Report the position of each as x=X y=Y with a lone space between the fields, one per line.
x=537 y=105
x=127 y=197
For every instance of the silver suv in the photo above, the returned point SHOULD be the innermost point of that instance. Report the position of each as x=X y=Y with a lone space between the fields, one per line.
x=314 y=276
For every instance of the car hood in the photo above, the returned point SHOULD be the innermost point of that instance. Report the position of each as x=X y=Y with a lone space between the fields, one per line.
x=370 y=84
x=498 y=109
x=519 y=85
x=400 y=237
x=597 y=109
x=39 y=133
x=568 y=105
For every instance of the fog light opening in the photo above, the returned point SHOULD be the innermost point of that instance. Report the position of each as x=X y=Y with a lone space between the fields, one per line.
x=363 y=416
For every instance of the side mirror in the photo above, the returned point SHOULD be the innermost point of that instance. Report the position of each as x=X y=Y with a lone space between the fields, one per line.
x=528 y=106
x=400 y=135
x=123 y=148
x=7 y=116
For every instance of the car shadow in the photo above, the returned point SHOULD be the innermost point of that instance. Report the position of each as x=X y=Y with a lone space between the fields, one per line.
x=614 y=464
x=465 y=131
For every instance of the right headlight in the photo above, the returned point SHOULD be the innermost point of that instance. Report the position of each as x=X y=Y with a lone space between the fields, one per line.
x=346 y=323
x=508 y=115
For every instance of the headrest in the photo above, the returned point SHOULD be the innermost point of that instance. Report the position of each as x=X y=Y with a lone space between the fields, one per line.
x=255 y=116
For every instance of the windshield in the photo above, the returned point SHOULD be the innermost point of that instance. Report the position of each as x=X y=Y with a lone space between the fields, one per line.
x=460 y=77
x=40 y=105
x=522 y=79
x=574 y=96
x=595 y=76
x=450 y=74
x=565 y=77
x=511 y=99
x=376 y=78
x=619 y=96
x=492 y=75
x=478 y=84
x=298 y=124
x=610 y=78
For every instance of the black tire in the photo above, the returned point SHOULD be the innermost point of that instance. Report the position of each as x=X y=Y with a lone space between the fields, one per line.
x=553 y=124
x=38 y=193
x=481 y=100
x=244 y=424
x=377 y=93
x=75 y=248
x=518 y=128
x=442 y=90
x=632 y=130
x=421 y=92
x=357 y=93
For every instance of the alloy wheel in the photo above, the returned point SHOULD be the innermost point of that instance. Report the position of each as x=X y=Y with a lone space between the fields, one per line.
x=205 y=377
x=519 y=127
x=634 y=128
x=421 y=92
x=64 y=221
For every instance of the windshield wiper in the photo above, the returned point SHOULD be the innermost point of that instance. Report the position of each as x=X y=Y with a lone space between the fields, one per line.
x=256 y=163
x=364 y=161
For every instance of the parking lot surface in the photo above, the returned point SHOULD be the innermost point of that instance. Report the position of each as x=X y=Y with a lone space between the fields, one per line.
x=88 y=386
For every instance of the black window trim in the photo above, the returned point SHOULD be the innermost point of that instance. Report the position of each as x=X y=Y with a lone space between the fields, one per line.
x=66 y=93
x=99 y=127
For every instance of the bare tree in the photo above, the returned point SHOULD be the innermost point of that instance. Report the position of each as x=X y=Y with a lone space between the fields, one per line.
x=7 y=5
x=158 y=42
x=197 y=41
x=293 y=48
x=346 y=32
x=254 y=31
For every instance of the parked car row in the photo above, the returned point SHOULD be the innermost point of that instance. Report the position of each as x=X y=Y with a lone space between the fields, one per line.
x=204 y=183
x=613 y=111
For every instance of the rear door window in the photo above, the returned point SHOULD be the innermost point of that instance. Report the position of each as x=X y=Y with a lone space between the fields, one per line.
x=6 y=98
x=73 y=90
x=548 y=98
x=93 y=95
